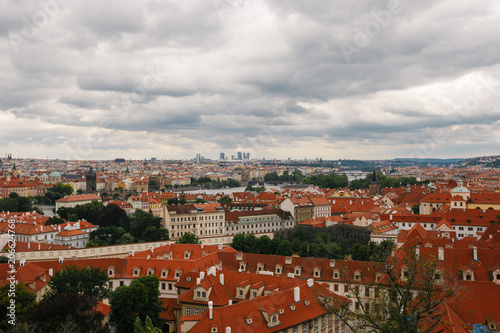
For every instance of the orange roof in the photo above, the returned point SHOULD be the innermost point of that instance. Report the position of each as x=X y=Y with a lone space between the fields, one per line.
x=81 y=197
x=68 y=233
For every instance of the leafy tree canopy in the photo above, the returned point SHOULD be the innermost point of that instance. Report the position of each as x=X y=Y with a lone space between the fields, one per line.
x=91 y=281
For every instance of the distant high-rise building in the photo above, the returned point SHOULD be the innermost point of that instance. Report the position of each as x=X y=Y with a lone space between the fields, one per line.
x=240 y=155
x=198 y=158
x=222 y=156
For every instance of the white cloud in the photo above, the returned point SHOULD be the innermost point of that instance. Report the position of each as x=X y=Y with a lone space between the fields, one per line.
x=175 y=78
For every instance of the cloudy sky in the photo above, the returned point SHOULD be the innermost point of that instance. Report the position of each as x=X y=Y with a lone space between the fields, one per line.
x=334 y=79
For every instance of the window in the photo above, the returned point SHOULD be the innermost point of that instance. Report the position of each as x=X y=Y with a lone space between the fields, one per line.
x=188 y=310
x=163 y=286
x=254 y=294
x=169 y=286
x=316 y=326
x=323 y=322
x=111 y=284
x=304 y=328
x=367 y=291
x=196 y=311
x=295 y=329
x=122 y=283
x=335 y=287
x=346 y=288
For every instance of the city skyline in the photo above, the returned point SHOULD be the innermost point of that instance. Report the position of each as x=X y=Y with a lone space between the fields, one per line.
x=357 y=80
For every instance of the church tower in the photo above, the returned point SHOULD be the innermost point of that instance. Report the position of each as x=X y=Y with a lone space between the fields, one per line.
x=374 y=186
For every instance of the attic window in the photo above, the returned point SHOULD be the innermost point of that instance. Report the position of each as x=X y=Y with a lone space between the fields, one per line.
x=248 y=320
x=307 y=302
x=214 y=330
x=292 y=307
x=188 y=279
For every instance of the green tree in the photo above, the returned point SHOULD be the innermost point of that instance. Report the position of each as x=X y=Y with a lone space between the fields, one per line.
x=113 y=215
x=299 y=234
x=415 y=209
x=225 y=199
x=188 y=238
x=153 y=185
x=271 y=177
x=284 y=249
x=239 y=243
x=140 y=221
x=147 y=328
x=125 y=239
x=107 y=235
x=264 y=245
x=79 y=191
x=24 y=300
x=153 y=234
x=139 y=298
x=54 y=220
x=65 y=313
x=91 y=281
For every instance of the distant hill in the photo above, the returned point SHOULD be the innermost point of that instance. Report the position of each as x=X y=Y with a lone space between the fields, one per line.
x=431 y=160
x=483 y=161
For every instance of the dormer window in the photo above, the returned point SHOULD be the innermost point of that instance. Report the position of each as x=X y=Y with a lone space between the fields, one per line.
x=177 y=274
x=297 y=270
x=357 y=275
x=278 y=269
x=151 y=271
x=317 y=272
x=378 y=277
x=164 y=273
x=248 y=320
x=336 y=274
x=404 y=274
x=468 y=275
x=213 y=329
x=111 y=271
x=137 y=270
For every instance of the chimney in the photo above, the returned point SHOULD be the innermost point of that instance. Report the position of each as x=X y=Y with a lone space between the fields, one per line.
x=22 y=262
x=41 y=228
x=230 y=302
x=239 y=256
x=202 y=275
x=51 y=271
x=310 y=283
x=202 y=245
x=61 y=260
x=296 y=294
x=151 y=249
x=220 y=247
x=474 y=253
x=39 y=246
x=210 y=310
x=198 y=280
x=131 y=253
x=221 y=278
x=417 y=251
x=228 y=329
x=148 y=257
x=390 y=217
x=29 y=245
x=332 y=263
x=441 y=253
